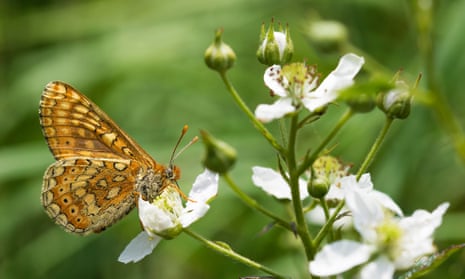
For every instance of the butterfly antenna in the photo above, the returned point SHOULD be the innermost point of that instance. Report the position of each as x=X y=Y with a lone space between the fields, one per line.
x=175 y=154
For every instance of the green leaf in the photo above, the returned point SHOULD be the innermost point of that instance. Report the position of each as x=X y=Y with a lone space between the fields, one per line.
x=426 y=265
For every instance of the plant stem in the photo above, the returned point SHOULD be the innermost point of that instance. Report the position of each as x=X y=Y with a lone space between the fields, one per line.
x=328 y=225
x=225 y=250
x=375 y=147
x=302 y=228
x=254 y=204
x=445 y=115
x=309 y=161
x=258 y=125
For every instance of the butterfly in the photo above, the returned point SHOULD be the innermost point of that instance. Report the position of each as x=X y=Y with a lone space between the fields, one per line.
x=99 y=171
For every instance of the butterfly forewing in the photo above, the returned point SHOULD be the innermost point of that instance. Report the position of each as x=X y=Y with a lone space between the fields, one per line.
x=74 y=126
x=99 y=170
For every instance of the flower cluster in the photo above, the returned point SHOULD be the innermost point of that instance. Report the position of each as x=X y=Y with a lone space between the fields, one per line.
x=320 y=188
x=395 y=241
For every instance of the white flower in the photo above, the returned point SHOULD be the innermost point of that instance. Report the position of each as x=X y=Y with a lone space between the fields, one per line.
x=296 y=85
x=345 y=186
x=274 y=184
x=166 y=216
x=396 y=241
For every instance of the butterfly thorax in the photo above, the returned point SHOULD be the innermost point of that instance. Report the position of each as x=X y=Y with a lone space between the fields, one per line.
x=151 y=182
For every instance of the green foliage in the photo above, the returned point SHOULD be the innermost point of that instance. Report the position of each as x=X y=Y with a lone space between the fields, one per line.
x=429 y=263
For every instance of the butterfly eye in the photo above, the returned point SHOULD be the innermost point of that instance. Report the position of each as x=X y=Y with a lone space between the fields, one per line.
x=170 y=174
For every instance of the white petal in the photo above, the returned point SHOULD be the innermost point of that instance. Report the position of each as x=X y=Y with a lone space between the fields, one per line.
x=280 y=39
x=381 y=268
x=335 y=192
x=365 y=182
x=267 y=113
x=317 y=216
x=274 y=184
x=339 y=256
x=192 y=213
x=417 y=239
x=275 y=81
x=203 y=190
x=349 y=65
x=342 y=77
x=205 y=187
x=138 y=248
x=424 y=223
x=386 y=202
x=271 y=182
x=303 y=189
x=367 y=213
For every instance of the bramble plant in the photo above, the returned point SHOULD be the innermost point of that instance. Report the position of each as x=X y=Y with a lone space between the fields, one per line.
x=363 y=232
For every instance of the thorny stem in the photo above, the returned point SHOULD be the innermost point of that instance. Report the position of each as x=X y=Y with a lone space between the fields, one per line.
x=254 y=204
x=260 y=127
x=225 y=250
x=375 y=147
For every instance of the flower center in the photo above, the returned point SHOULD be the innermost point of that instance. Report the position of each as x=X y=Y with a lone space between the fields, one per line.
x=389 y=234
x=302 y=80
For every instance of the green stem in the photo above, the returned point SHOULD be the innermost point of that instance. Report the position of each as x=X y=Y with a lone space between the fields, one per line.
x=309 y=161
x=260 y=127
x=225 y=250
x=375 y=147
x=302 y=228
x=444 y=113
x=254 y=204
x=328 y=225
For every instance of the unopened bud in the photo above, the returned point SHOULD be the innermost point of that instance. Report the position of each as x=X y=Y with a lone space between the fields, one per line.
x=219 y=56
x=325 y=171
x=327 y=35
x=276 y=47
x=397 y=102
x=318 y=187
x=220 y=156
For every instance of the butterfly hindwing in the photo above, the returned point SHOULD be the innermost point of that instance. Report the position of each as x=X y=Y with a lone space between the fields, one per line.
x=86 y=195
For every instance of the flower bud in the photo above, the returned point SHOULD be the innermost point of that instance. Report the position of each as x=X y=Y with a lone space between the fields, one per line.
x=325 y=171
x=275 y=46
x=362 y=96
x=220 y=156
x=219 y=56
x=327 y=35
x=397 y=102
x=362 y=103
x=318 y=187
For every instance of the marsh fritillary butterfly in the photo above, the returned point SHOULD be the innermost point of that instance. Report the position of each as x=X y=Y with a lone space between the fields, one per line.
x=100 y=171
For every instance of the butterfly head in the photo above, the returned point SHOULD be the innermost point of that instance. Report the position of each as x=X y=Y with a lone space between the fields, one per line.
x=173 y=173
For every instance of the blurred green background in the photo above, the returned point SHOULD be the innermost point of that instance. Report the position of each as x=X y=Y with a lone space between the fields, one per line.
x=142 y=62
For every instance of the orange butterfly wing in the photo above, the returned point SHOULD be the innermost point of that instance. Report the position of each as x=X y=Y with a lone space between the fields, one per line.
x=93 y=183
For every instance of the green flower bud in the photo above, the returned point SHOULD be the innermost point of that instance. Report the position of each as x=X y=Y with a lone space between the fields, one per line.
x=318 y=187
x=397 y=102
x=327 y=35
x=325 y=171
x=362 y=96
x=219 y=56
x=362 y=103
x=220 y=156
x=276 y=47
